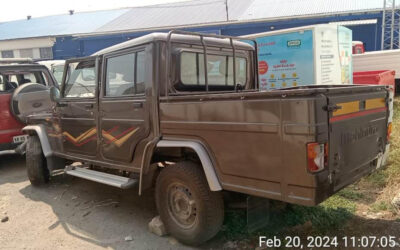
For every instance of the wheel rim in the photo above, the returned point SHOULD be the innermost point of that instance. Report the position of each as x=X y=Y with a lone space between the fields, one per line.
x=181 y=205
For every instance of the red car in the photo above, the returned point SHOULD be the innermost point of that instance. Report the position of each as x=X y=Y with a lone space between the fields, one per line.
x=17 y=76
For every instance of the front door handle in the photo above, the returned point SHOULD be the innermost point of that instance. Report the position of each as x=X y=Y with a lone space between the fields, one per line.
x=61 y=104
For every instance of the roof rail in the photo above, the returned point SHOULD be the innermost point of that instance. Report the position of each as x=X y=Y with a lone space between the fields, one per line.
x=15 y=60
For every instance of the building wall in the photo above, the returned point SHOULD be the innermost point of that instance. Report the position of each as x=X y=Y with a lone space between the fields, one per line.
x=69 y=47
x=31 y=47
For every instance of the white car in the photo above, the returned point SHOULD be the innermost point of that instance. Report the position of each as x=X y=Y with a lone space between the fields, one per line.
x=56 y=67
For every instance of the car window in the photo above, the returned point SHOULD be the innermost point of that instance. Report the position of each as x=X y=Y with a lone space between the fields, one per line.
x=125 y=74
x=81 y=80
x=219 y=71
x=10 y=80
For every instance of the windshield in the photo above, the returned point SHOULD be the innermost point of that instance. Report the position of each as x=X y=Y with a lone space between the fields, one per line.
x=10 y=80
x=80 y=80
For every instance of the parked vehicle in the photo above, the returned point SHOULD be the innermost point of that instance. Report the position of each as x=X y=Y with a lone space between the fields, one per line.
x=183 y=112
x=17 y=75
x=56 y=67
x=358 y=47
x=379 y=60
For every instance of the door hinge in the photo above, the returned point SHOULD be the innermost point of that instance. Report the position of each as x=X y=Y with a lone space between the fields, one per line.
x=332 y=107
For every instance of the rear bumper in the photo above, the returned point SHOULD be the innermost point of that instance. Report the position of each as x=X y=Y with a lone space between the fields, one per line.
x=6 y=135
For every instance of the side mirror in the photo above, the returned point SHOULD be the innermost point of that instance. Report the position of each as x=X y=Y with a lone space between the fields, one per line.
x=54 y=94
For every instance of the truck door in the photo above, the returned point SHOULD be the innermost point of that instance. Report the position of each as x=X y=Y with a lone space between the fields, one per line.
x=358 y=129
x=123 y=109
x=77 y=107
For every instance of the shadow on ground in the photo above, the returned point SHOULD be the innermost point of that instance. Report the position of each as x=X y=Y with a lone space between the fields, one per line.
x=11 y=167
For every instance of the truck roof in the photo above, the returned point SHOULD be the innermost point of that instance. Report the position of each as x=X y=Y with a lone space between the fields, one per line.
x=177 y=38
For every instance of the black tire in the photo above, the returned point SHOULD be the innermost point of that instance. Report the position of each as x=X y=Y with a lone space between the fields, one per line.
x=185 y=183
x=36 y=164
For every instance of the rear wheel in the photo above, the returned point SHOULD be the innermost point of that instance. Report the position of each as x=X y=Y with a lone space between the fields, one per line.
x=36 y=166
x=190 y=211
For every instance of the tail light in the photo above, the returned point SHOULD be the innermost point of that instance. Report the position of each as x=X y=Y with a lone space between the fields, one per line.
x=317 y=156
x=389 y=131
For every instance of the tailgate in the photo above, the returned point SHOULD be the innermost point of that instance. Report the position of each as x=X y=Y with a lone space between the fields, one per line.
x=358 y=128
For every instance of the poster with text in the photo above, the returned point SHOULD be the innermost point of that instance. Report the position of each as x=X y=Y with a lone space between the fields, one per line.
x=286 y=60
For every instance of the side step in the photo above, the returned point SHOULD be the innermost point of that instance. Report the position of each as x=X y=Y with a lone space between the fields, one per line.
x=108 y=179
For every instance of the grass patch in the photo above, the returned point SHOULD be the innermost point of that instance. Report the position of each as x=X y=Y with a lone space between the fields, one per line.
x=351 y=194
x=377 y=179
x=327 y=217
x=379 y=206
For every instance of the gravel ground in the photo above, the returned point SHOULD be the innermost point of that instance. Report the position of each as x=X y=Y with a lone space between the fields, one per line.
x=70 y=213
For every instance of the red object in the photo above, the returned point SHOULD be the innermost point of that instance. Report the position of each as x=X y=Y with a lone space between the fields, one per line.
x=379 y=77
x=9 y=126
x=358 y=49
x=317 y=156
x=348 y=116
x=262 y=67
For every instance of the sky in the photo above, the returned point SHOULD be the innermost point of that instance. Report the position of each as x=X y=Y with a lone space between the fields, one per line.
x=19 y=9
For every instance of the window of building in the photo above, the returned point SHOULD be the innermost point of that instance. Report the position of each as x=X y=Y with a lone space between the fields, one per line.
x=7 y=54
x=46 y=53
x=125 y=74
x=26 y=53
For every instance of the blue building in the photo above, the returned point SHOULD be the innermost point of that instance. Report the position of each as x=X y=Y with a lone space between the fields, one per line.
x=81 y=34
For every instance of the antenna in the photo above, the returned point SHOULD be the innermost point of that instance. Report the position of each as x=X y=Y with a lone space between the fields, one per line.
x=227 y=10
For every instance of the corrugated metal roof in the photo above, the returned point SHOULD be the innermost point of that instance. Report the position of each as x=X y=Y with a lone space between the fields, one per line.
x=272 y=9
x=199 y=12
x=83 y=22
x=177 y=14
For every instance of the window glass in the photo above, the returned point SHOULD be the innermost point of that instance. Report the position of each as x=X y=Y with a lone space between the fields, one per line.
x=46 y=53
x=219 y=71
x=12 y=80
x=120 y=74
x=58 y=72
x=140 y=72
x=26 y=53
x=81 y=81
x=7 y=54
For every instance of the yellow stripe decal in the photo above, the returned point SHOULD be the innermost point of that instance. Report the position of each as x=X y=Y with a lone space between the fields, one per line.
x=347 y=108
x=375 y=103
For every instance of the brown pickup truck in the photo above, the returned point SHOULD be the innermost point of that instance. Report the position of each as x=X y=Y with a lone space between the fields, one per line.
x=182 y=112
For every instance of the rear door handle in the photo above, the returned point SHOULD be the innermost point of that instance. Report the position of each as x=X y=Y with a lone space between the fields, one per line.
x=89 y=106
x=137 y=104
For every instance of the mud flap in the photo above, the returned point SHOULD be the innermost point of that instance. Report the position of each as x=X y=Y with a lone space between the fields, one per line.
x=258 y=213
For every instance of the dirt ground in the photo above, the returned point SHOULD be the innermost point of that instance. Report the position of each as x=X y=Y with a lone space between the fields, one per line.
x=72 y=213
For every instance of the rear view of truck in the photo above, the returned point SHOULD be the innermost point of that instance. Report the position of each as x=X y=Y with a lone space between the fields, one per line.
x=358 y=134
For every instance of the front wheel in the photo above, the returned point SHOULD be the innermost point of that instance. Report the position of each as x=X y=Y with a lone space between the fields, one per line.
x=190 y=211
x=36 y=164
